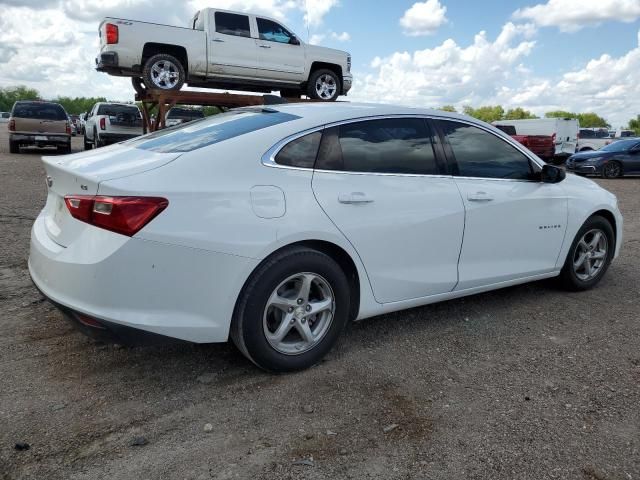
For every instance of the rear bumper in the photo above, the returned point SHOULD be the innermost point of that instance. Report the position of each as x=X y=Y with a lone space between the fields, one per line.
x=109 y=138
x=128 y=283
x=50 y=139
x=107 y=61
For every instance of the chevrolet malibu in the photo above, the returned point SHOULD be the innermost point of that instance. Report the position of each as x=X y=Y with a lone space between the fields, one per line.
x=277 y=226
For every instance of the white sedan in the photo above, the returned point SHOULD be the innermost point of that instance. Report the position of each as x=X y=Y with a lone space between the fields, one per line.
x=276 y=226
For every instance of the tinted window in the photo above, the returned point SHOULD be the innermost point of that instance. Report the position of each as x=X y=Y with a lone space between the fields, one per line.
x=41 y=111
x=217 y=128
x=185 y=113
x=508 y=129
x=381 y=146
x=273 y=31
x=619 y=146
x=482 y=154
x=300 y=152
x=232 y=24
x=6 y=114
x=587 y=134
x=115 y=110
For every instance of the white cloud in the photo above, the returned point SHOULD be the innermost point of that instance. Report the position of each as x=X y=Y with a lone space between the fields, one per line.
x=317 y=38
x=316 y=10
x=341 y=37
x=572 y=15
x=424 y=18
x=447 y=73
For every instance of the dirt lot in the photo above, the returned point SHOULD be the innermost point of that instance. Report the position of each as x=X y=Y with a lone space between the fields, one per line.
x=528 y=383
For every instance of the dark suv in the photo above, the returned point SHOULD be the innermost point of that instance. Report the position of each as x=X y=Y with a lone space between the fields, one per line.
x=41 y=124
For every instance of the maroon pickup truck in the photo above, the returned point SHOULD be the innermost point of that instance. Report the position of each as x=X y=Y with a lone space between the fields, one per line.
x=542 y=145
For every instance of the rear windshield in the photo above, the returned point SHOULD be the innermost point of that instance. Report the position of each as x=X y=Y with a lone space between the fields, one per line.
x=508 y=129
x=185 y=113
x=217 y=128
x=41 y=111
x=114 y=110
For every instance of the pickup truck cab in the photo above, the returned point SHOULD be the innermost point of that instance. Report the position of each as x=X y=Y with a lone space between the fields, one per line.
x=109 y=123
x=222 y=49
x=593 y=139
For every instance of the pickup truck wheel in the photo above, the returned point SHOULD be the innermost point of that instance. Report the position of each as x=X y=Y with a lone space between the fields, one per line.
x=163 y=72
x=13 y=147
x=87 y=145
x=96 y=140
x=138 y=85
x=324 y=85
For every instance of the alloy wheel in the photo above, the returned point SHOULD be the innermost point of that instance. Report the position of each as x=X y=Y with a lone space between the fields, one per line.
x=590 y=255
x=165 y=74
x=326 y=86
x=612 y=170
x=299 y=313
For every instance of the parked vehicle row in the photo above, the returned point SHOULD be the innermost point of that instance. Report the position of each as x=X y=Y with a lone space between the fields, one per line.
x=275 y=227
x=222 y=49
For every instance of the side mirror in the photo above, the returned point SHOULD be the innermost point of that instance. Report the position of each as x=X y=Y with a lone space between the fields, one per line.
x=553 y=174
x=294 y=41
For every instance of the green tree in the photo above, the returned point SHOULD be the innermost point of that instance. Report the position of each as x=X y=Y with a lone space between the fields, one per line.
x=448 y=108
x=560 y=114
x=78 y=105
x=591 y=120
x=518 y=114
x=634 y=124
x=486 y=114
x=10 y=95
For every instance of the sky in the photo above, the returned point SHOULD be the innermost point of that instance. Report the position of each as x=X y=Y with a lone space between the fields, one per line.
x=576 y=55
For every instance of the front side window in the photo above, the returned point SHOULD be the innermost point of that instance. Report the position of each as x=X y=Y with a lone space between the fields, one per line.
x=273 y=32
x=401 y=145
x=300 y=152
x=232 y=24
x=479 y=153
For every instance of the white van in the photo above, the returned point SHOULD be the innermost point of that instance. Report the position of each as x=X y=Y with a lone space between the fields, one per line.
x=564 y=131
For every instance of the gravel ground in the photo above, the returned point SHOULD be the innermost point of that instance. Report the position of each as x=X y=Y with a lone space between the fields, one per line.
x=528 y=382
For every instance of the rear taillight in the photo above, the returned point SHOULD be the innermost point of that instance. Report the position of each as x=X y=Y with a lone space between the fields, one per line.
x=111 y=33
x=12 y=125
x=103 y=124
x=124 y=215
x=68 y=128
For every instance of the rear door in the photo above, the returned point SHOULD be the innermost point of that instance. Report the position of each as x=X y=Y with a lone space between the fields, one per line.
x=278 y=58
x=232 y=50
x=380 y=183
x=514 y=224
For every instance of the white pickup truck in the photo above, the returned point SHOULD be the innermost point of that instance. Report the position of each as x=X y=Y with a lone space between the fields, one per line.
x=222 y=49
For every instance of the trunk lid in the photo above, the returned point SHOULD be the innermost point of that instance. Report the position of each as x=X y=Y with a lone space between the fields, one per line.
x=81 y=174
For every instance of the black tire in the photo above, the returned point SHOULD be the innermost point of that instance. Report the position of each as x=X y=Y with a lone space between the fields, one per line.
x=97 y=143
x=311 y=85
x=14 y=147
x=612 y=169
x=66 y=150
x=138 y=85
x=568 y=277
x=86 y=144
x=247 y=326
x=163 y=59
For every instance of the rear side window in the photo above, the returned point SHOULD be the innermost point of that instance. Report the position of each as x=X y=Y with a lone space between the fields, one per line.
x=40 y=111
x=208 y=131
x=479 y=153
x=508 y=129
x=232 y=24
x=300 y=152
x=402 y=145
x=587 y=134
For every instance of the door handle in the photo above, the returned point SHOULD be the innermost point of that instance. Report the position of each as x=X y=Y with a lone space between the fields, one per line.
x=479 y=197
x=265 y=46
x=217 y=40
x=354 y=197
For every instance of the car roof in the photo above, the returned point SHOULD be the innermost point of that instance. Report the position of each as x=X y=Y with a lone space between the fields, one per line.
x=328 y=112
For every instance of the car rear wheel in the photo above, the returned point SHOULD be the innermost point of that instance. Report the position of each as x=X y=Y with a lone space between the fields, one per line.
x=292 y=310
x=87 y=145
x=65 y=150
x=324 y=85
x=589 y=256
x=612 y=169
x=14 y=147
x=163 y=72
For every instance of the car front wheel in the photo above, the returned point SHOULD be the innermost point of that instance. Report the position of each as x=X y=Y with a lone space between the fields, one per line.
x=292 y=310
x=612 y=169
x=589 y=256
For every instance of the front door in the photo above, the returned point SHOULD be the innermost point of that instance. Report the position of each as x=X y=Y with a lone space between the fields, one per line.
x=280 y=55
x=380 y=184
x=232 y=50
x=515 y=224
